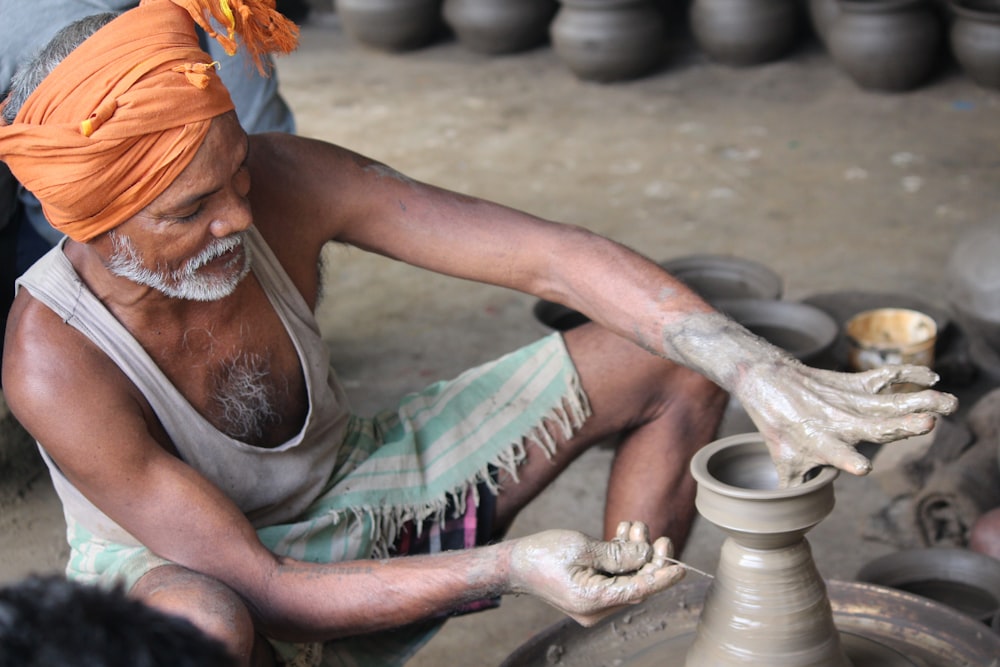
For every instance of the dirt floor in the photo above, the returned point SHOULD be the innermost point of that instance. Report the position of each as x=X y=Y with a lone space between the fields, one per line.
x=788 y=164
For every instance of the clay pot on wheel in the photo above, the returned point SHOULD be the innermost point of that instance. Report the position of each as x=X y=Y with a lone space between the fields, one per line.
x=888 y=45
x=750 y=608
x=500 y=26
x=975 y=40
x=608 y=40
x=745 y=32
x=391 y=25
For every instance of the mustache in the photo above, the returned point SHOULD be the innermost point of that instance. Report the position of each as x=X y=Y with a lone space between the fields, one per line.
x=217 y=249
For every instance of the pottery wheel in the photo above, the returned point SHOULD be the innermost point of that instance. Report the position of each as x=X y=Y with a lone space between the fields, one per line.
x=880 y=627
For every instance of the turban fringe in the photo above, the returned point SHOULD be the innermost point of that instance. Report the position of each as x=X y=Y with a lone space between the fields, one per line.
x=120 y=118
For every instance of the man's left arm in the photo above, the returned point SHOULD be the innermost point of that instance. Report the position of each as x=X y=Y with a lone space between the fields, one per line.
x=808 y=416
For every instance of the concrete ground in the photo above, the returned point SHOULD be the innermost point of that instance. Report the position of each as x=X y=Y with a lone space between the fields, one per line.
x=788 y=164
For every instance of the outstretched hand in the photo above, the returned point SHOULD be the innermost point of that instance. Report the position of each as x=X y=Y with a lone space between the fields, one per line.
x=808 y=417
x=588 y=579
x=811 y=417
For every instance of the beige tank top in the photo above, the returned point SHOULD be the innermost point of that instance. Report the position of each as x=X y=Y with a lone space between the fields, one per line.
x=269 y=485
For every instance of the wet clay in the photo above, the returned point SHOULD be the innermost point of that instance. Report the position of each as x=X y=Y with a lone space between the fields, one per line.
x=767 y=604
x=809 y=417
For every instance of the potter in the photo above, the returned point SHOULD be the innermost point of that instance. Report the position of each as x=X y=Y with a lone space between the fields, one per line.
x=273 y=536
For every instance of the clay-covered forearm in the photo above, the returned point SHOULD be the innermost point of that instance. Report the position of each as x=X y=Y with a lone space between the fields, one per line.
x=719 y=348
x=316 y=602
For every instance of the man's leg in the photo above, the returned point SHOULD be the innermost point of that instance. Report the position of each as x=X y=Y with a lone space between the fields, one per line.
x=210 y=605
x=662 y=414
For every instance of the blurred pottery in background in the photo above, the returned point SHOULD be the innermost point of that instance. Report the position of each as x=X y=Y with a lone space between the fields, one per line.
x=496 y=27
x=822 y=14
x=609 y=40
x=975 y=40
x=888 y=45
x=391 y=25
x=745 y=32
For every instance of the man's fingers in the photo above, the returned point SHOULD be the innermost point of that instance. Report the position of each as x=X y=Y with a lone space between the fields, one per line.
x=621 y=591
x=927 y=401
x=879 y=379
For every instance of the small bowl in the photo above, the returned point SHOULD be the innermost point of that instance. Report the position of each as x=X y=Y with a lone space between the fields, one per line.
x=717 y=277
x=964 y=580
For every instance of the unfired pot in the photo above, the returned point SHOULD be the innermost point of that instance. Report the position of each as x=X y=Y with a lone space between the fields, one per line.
x=888 y=45
x=391 y=25
x=609 y=40
x=975 y=40
x=822 y=14
x=767 y=605
x=745 y=32
x=500 y=26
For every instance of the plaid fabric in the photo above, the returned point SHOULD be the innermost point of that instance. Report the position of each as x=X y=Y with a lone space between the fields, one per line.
x=465 y=530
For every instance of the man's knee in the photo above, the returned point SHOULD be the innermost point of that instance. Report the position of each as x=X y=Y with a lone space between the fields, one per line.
x=213 y=607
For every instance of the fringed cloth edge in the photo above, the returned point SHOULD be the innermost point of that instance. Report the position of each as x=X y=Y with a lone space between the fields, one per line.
x=387 y=522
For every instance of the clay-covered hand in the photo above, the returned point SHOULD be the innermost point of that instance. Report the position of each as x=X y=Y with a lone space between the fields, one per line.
x=588 y=579
x=811 y=417
x=808 y=417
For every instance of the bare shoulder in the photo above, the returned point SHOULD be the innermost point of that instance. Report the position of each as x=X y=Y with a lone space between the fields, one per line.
x=306 y=193
x=60 y=385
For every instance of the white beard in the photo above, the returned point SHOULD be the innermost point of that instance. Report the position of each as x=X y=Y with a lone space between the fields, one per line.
x=185 y=283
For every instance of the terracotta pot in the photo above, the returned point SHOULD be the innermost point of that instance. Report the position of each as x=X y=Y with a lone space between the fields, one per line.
x=609 y=40
x=889 y=45
x=745 y=32
x=975 y=40
x=500 y=26
x=391 y=25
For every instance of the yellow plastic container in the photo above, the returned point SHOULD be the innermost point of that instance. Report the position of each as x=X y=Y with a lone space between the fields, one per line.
x=888 y=336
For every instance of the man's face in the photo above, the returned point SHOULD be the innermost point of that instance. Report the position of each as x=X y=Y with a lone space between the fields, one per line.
x=189 y=242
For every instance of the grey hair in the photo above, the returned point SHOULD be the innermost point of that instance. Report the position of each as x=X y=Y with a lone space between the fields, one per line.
x=31 y=74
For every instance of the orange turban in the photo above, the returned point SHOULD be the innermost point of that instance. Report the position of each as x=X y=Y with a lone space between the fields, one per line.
x=118 y=120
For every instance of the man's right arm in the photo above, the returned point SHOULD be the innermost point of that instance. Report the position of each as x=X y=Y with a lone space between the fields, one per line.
x=103 y=436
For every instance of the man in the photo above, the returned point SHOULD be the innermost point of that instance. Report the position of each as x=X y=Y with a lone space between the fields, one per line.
x=203 y=451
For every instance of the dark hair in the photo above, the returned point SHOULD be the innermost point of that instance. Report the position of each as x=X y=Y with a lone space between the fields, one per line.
x=29 y=75
x=52 y=622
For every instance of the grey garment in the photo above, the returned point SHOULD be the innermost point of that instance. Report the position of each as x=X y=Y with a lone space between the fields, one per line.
x=270 y=486
x=28 y=26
